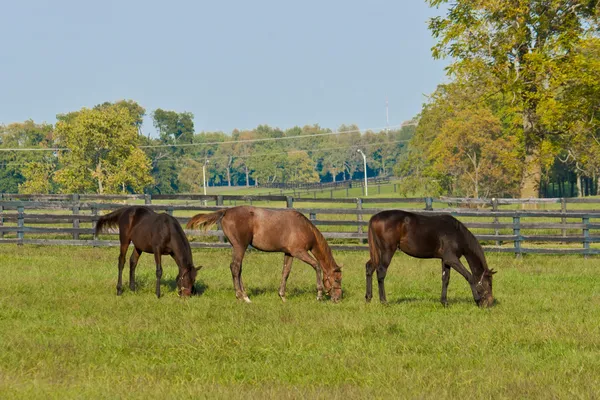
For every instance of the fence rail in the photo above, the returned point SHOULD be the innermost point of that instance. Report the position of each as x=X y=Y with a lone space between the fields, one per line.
x=41 y=219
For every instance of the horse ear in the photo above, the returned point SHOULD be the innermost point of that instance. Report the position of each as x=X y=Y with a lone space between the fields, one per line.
x=493 y=271
x=198 y=268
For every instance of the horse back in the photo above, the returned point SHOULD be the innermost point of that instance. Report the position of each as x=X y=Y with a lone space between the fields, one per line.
x=421 y=236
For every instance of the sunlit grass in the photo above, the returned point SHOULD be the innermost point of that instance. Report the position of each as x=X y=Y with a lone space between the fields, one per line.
x=65 y=334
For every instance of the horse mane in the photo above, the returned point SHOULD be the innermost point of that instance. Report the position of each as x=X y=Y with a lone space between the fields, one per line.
x=473 y=244
x=322 y=247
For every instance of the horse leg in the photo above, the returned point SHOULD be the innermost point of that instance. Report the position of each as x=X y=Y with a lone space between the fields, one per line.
x=307 y=258
x=457 y=265
x=133 y=260
x=445 y=282
x=287 y=267
x=236 y=273
x=384 y=263
x=159 y=271
x=122 y=254
x=370 y=268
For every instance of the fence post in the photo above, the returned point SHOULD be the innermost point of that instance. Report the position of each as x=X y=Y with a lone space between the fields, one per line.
x=359 y=217
x=20 y=224
x=517 y=234
x=1 y=215
x=289 y=201
x=378 y=188
x=394 y=188
x=563 y=209
x=586 y=235
x=494 y=209
x=331 y=194
x=170 y=211
x=347 y=191
x=220 y=203
x=147 y=199
x=312 y=217
x=75 y=212
x=428 y=203
x=94 y=222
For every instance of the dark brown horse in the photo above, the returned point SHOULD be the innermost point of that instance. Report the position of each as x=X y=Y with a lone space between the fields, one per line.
x=427 y=236
x=158 y=234
x=285 y=231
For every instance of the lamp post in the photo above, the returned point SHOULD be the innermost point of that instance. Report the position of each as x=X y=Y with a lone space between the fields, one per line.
x=365 y=164
x=204 y=175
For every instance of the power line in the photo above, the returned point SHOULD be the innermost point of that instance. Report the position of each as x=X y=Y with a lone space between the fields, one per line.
x=217 y=143
x=283 y=152
x=254 y=154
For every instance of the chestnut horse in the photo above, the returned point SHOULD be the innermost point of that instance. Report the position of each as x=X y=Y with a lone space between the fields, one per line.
x=285 y=231
x=427 y=236
x=158 y=234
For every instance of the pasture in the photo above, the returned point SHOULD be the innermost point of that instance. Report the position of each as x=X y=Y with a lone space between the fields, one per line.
x=65 y=334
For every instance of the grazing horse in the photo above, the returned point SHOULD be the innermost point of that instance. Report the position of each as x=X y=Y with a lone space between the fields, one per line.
x=285 y=231
x=158 y=234
x=427 y=236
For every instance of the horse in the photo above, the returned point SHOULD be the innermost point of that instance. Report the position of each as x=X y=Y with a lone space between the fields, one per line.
x=158 y=234
x=427 y=236
x=286 y=231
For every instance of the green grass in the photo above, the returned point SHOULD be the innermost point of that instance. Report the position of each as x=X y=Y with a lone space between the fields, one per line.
x=65 y=334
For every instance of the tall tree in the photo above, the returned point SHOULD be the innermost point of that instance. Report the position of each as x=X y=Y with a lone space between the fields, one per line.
x=520 y=43
x=103 y=145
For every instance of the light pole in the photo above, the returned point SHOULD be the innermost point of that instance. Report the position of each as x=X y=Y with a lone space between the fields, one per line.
x=365 y=163
x=204 y=175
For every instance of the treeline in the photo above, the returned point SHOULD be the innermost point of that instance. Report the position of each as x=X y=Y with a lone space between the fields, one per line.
x=105 y=150
x=521 y=114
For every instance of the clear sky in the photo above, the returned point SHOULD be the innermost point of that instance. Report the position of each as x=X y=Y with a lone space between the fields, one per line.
x=233 y=64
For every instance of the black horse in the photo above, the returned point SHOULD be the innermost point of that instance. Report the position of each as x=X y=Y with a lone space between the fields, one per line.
x=427 y=236
x=158 y=234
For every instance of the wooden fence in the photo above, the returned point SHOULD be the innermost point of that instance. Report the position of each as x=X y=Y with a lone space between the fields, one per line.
x=36 y=219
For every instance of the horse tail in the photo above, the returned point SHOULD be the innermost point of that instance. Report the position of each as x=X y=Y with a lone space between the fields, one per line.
x=110 y=220
x=374 y=246
x=206 y=220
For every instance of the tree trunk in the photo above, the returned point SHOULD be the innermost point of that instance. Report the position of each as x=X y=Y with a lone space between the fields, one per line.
x=532 y=172
x=229 y=170
x=247 y=176
x=333 y=175
x=99 y=173
x=578 y=180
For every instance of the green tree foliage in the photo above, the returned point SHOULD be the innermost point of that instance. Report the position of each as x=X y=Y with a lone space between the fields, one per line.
x=102 y=144
x=519 y=45
x=38 y=178
x=27 y=134
x=473 y=151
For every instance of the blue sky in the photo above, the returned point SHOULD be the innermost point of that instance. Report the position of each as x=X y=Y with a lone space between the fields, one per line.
x=233 y=64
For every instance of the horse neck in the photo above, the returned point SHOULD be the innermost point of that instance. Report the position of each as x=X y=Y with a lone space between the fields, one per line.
x=322 y=252
x=474 y=254
x=183 y=253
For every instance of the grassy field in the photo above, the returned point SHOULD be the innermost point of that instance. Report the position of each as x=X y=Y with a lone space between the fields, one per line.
x=65 y=334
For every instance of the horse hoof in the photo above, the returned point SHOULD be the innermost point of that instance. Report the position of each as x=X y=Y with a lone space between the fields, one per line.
x=246 y=299
x=445 y=303
x=282 y=299
x=119 y=292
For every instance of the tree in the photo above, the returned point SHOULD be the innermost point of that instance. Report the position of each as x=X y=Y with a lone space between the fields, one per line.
x=102 y=145
x=38 y=178
x=472 y=149
x=26 y=134
x=300 y=168
x=520 y=45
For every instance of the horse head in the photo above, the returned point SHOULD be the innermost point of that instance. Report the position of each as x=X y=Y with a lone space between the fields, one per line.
x=333 y=283
x=484 y=288
x=186 y=280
